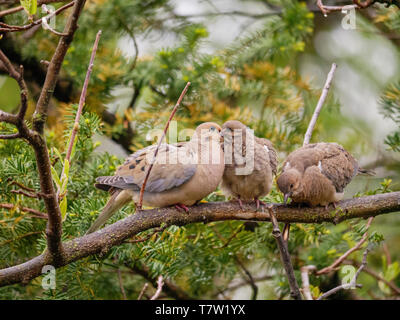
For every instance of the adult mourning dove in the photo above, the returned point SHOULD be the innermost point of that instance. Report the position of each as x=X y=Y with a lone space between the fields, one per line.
x=317 y=174
x=182 y=174
x=250 y=163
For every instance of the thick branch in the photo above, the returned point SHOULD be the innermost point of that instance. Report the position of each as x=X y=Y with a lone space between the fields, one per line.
x=101 y=241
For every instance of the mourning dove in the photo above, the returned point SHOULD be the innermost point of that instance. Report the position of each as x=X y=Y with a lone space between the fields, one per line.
x=182 y=174
x=250 y=163
x=317 y=174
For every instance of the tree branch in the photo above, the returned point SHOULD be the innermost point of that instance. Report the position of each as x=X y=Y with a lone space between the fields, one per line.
x=102 y=240
x=54 y=67
x=306 y=281
x=320 y=103
x=170 y=288
x=159 y=144
x=160 y=284
x=20 y=8
x=353 y=281
x=5 y=28
x=285 y=257
x=375 y=275
x=340 y=260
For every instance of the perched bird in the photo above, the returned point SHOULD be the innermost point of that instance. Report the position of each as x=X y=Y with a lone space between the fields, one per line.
x=317 y=174
x=250 y=163
x=182 y=174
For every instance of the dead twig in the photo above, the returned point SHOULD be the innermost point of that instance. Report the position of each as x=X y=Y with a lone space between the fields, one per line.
x=322 y=98
x=375 y=275
x=143 y=291
x=121 y=285
x=139 y=206
x=353 y=281
x=306 y=281
x=313 y=121
x=5 y=28
x=160 y=284
x=36 y=213
x=340 y=260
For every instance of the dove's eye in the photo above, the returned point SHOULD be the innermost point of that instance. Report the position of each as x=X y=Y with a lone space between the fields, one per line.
x=213 y=128
x=291 y=186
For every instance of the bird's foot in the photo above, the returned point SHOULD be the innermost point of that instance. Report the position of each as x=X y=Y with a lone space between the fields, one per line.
x=240 y=204
x=259 y=202
x=181 y=206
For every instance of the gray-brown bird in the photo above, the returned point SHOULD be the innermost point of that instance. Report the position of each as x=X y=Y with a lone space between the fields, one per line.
x=316 y=174
x=182 y=174
x=250 y=163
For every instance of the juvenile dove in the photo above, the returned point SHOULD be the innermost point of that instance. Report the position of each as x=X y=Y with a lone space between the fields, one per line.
x=317 y=174
x=250 y=163
x=182 y=174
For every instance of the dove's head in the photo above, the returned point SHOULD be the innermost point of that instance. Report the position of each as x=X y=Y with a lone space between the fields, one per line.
x=231 y=126
x=208 y=131
x=237 y=134
x=289 y=182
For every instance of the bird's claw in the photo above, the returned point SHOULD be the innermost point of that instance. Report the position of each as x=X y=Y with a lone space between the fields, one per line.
x=181 y=206
x=259 y=202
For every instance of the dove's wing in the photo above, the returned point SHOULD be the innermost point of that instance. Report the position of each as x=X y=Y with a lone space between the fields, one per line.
x=172 y=168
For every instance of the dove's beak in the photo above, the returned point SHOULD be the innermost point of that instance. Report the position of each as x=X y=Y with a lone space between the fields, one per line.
x=221 y=133
x=286 y=197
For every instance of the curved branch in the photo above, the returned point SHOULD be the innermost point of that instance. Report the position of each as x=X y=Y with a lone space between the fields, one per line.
x=101 y=241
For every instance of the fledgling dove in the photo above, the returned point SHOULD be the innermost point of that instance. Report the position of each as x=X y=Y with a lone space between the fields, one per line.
x=317 y=174
x=182 y=174
x=250 y=163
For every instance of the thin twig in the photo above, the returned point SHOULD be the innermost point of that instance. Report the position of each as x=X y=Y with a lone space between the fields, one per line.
x=250 y=278
x=307 y=136
x=24 y=193
x=320 y=103
x=160 y=284
x=285 y=256
x=19 y=77
x=242 y=284
x=340 y=260
x=20 y=8
x=5 y=28
x=121 y=285
x=159 y=144
x=375 y=275
x=306 y=281
x=19 y=237
x=83 y=97
x=353 y=281
x=155 y=231
x=143 y=291
x=12 y=182
x=36 y=213
x=10 y=136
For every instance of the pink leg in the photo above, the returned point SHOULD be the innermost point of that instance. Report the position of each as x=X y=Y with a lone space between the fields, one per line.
x=181 y=206
x=240 y=204
x=259 y=202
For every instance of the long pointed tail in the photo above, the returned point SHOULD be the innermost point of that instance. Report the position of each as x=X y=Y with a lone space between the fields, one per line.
x=118 y=199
